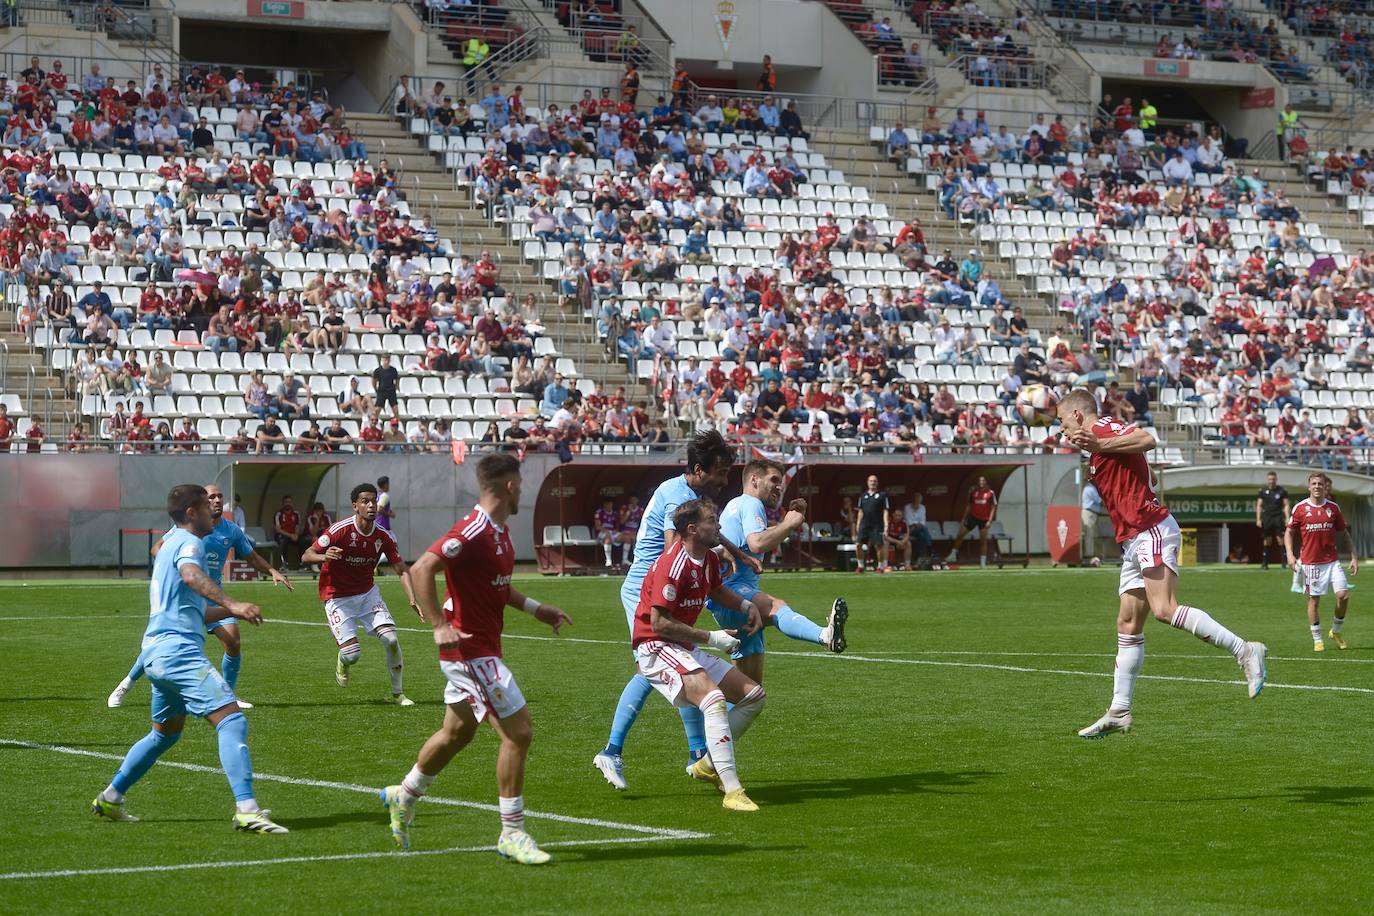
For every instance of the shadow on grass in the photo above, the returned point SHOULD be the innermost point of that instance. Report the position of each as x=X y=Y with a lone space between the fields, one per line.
x=377 y=817
x=46 y=699
x=1341 y=796
x=934 y=781
x=630 y=852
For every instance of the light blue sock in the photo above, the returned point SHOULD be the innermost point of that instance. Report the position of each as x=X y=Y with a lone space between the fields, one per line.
x=141 y=757
x=694 y=724
x=233 y=754
x=626 y=711
x=229 y=667
x=792 y=624
x=136 y=671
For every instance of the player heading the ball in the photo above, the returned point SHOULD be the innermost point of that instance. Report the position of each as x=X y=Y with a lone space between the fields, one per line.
x=1150 y=540
x=477 y=560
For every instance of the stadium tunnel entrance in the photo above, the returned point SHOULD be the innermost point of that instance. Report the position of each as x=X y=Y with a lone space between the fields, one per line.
x=313 y=58
x=1187 y=107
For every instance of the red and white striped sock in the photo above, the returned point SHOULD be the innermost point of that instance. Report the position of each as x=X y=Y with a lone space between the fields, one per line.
x=1130 y=658
x=1200 y=624
x=416 y=783
x=719 y=743
x=512 y=814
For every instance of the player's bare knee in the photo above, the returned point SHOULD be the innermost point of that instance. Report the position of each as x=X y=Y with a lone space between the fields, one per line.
x=229 y=638
x=1163 y=609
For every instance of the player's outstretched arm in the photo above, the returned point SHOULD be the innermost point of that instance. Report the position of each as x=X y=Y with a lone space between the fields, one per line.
x=403 y=573
x=732 y=600
x=544 y=613
x=259 y=562
x=200 y=583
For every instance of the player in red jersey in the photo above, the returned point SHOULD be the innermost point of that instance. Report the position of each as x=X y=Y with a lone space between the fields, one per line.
x=979 y=516
x=348 y=552
x=1318 y=519
x=666 y=643
x=477 y=559
x=1150 y=541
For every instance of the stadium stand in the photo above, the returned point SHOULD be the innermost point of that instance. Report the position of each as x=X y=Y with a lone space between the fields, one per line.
x=628 y=268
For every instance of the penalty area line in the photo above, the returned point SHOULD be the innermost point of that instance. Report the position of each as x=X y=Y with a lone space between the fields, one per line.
x=663 y=833
x=294 y=860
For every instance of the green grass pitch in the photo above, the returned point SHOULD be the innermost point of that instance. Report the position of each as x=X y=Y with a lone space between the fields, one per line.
x=934 y=768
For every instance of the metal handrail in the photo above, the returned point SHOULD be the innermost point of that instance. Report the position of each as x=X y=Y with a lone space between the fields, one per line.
x=4 y=362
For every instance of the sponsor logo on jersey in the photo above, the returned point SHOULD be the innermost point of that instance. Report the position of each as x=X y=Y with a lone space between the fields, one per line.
x=500 y=581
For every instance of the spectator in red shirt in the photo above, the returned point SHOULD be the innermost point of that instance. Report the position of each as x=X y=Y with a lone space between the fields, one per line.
x=288 y=531
x=6 y=429
x=187 y=437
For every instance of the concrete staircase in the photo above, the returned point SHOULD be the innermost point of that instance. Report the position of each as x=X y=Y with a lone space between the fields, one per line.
x=431 y=189
x=863 y=164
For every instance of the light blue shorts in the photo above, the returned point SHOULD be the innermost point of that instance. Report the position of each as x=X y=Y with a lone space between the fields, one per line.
x=629 y=599
x=212 y=627
x=183 y=681
x=730 y=620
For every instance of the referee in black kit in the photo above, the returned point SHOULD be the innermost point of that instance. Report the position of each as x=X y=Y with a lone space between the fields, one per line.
x=1272 y=511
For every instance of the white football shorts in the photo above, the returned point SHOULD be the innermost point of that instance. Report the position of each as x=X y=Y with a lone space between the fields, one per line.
x=485 y=684
x=664 y=664
x=345 y=614
x=1157 y=546
x=1320 y=578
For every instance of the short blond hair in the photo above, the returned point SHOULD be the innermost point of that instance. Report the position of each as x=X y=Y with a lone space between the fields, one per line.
x=1078 y=399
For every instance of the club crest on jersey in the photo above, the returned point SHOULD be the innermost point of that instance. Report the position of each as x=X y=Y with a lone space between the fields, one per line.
x=377 y=545
x=353 y=539
x=670 y=592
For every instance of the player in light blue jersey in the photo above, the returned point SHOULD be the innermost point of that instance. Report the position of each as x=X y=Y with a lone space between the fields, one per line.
x=182 y=678
x=226 y=536
x=709 y=459
x=745 y=524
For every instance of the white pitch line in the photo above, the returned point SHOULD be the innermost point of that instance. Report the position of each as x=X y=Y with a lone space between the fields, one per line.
x=292 y=860
x=942 y=664
x=659 y=832
x=1064 y=671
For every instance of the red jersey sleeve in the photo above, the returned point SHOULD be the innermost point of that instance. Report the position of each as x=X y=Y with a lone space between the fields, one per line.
x=451 y=546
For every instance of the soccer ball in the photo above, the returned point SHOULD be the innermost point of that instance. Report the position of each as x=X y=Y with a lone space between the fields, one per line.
x=1036 y=405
